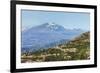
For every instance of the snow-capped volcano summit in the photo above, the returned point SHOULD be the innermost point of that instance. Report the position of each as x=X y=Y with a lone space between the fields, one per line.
x=52 y=27
x=51 y=23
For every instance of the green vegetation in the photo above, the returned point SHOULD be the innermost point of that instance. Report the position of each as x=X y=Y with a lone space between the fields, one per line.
x=76 y=49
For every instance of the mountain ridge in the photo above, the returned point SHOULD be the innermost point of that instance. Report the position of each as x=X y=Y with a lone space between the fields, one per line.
x=44 y=34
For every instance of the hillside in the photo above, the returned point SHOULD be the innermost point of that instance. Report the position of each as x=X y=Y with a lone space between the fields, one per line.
x=75 y=49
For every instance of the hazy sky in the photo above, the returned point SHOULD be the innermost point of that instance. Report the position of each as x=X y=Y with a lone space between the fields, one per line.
x=69 y=20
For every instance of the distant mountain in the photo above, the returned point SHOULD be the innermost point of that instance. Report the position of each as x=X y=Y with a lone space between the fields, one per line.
x=51 y=27
x=46 y=35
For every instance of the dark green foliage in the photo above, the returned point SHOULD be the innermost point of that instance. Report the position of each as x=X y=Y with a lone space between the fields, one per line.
x=53 y=51
x=55 y=58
